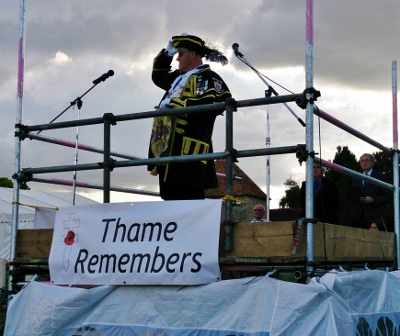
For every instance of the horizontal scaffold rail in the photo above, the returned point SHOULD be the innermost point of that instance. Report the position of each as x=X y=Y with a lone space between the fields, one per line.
x=354 y=174
x=95 y=186
x=298 y=98
x=320 y=113
x=27 y=173
x=83 y=147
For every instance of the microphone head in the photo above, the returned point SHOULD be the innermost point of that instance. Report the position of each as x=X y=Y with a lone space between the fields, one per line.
x=235 y=46
x=110 y=72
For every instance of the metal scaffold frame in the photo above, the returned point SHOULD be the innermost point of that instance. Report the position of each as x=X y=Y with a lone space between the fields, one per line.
x=230 y=153
x=108 y=164
x=304 y=152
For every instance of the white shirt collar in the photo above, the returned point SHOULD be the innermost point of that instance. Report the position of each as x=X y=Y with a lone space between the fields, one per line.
x=368 y=172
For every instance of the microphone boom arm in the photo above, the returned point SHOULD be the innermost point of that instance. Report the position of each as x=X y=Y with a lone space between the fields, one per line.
x=241 y=57
x=78 y=100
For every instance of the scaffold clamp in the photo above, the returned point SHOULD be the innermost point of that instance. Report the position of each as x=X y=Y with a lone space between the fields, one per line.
x=309 y=96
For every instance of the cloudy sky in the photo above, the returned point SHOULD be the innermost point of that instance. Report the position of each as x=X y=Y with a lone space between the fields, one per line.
x=69 y=43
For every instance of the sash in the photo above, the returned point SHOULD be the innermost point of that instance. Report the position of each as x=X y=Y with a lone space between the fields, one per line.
x=164 y=126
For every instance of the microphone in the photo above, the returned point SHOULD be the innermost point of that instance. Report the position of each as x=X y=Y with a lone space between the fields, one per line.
x=235 y=48
x=103 y=77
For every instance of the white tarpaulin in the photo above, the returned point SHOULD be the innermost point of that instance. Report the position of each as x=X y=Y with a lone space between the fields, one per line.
x=147 y=243
x=338 y=304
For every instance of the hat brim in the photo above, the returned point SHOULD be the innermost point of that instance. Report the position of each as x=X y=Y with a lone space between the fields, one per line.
x=190 y=42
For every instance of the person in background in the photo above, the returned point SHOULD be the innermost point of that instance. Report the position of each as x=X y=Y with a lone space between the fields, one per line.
x=326 y=197
x=258 y=214
x=192 y=84
x=377 y=225
x=373 y=227
x=367 y=200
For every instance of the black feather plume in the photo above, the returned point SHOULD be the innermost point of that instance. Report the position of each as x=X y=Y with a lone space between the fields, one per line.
x=215 y=55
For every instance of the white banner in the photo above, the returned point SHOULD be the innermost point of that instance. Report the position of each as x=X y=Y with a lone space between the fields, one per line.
x=144 y=243
x=44 y=218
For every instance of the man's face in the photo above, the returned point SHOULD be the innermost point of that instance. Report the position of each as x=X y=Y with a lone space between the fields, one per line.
x=374 y=227
x=258 y=212
x=185 y=59
x=366 y=163
x=317 y=171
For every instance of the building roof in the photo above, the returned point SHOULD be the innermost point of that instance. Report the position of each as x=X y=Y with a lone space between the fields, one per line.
x=240 y=188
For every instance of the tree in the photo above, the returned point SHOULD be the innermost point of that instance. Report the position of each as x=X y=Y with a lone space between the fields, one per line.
x=292 y=195
x=384 y=164
x=7 y=183
x=345 y=158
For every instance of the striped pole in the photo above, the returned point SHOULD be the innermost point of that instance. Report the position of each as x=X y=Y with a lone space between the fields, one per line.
x=309 y=137
x=395 y=159
x=18 y=120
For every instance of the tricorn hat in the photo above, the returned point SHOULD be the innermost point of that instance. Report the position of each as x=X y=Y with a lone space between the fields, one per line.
x=199 y=46
x=191 y=42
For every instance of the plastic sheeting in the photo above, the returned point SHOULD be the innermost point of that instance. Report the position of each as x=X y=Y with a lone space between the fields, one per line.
x=347 y=303
x=25 y=221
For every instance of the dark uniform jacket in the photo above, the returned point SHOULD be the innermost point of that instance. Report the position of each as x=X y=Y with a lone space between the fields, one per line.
x=191 y=133
x=326 y=201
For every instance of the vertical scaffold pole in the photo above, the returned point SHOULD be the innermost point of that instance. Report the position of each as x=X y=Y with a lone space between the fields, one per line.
x=107 y=157
x=268 y=144
x=229 y=176
x=18 y=120
x=395 y=160
x=309 y=138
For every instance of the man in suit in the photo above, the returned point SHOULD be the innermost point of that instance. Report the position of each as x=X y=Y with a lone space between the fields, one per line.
x=326 y=197
x=368 y=200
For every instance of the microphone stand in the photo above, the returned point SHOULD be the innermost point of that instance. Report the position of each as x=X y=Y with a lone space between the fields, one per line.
x=270 y=90
x=78 y=102
x=78 y=99
x=79 y=105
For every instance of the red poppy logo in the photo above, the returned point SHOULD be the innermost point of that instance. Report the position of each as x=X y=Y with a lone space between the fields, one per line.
x=69 y=239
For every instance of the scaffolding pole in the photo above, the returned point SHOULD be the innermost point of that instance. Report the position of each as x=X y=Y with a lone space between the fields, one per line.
x=395 y=160
x=18 y=121
x=94 y=186
x=309 y=141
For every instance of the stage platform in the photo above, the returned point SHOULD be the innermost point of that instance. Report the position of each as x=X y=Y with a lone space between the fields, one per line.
x=258 y=248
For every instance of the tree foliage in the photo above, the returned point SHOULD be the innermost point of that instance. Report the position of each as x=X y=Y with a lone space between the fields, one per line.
x=384 y=164
x=7 y=183
x=292 y=195
x=345 y=158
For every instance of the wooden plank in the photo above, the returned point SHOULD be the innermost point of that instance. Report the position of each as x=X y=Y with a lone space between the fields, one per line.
x=271 y=240
x=262 y=239
x=348 y=243
x=34 y=243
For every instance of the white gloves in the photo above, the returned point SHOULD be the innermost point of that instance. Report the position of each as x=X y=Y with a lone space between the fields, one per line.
x=170 y=49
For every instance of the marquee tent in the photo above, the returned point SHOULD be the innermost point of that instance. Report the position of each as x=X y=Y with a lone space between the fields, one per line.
x=29 y=200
